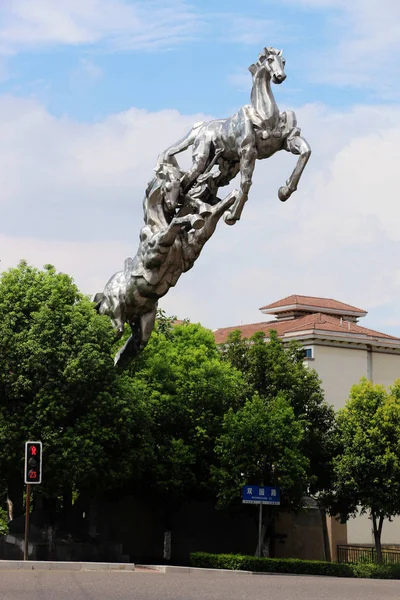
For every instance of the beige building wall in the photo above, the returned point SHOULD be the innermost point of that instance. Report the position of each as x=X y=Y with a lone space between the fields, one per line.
x=385 y=368
x=337 y=534
x=339 y=368
x=359 y=531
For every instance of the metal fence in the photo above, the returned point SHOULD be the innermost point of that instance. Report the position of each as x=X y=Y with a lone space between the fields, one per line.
x=367 y=554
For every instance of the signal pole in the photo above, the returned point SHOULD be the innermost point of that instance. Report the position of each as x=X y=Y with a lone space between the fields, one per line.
x=27 y=504
x=32 y=475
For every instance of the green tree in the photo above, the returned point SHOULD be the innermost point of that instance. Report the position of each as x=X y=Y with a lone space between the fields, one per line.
x=367 y=466
x=3 y=522
x=271 y=369
x=261 y=444
x=187 y=389
x=58 y=384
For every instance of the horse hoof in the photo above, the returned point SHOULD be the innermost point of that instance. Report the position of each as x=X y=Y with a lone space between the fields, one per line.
x=229 y=219
x=197 y=223
x=284 y=193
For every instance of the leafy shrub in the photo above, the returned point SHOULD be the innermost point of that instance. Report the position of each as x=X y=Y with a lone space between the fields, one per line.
x=3 y=522
x=374 y=571
x=239 y=562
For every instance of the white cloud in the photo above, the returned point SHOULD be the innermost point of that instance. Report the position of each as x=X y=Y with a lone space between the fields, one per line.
x=362 y=41
x=27 y=24
x=89 y=69
x=79 y=259
x=71 y=194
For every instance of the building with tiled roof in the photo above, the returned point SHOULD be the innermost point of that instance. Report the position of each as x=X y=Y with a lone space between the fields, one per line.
x=305 y=304
x=341 y=351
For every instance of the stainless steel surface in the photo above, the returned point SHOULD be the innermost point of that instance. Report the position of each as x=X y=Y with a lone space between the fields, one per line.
x=182 y=209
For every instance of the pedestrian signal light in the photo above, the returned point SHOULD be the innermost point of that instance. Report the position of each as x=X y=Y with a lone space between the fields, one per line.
x=33 y=462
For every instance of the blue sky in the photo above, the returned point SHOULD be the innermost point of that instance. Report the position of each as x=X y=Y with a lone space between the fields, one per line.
x=209 y=54
x=92 y=90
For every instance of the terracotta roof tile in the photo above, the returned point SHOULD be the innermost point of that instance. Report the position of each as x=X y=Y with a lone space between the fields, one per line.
x=314 y=301
x=316 y=322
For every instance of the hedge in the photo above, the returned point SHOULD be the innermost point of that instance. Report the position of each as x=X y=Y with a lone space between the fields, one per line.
x=239 y=562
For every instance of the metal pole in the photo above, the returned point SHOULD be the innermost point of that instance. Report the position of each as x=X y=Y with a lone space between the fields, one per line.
x=259 y=529
x=27 y=503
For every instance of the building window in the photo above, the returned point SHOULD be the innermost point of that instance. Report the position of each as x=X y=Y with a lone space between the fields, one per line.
x=308 y=353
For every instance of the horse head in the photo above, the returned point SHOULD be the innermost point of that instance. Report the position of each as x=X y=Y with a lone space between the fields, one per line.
x=271 y=62
x=169 y=175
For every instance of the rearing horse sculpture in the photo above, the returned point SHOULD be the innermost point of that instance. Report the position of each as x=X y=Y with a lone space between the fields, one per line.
x=182 y=209
x=256 y=131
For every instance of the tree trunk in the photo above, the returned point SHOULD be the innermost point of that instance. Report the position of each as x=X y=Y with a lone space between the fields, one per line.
x=260 y=551
x=50 y=507
x=167 y=521
x=66 y=503
x=51 y=542
x=377 y=524
x=267 y=534
x=10 y=509
x=93 y=519
x=167 y=552
x=271 y=533
x=15 y=493
x=325 y=536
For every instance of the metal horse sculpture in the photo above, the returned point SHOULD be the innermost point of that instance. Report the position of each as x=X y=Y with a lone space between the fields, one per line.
x=182 y=209
x=169 y=245
x=256 y=131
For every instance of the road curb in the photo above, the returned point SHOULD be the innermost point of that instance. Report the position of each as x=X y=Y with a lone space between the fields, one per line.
x=206 y=571
x=192 y=570
x=45 y=565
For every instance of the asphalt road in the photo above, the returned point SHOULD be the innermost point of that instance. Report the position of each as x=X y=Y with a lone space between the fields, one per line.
x=100 y=585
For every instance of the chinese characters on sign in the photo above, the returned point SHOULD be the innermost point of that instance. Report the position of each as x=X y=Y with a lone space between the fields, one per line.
x=261 y=495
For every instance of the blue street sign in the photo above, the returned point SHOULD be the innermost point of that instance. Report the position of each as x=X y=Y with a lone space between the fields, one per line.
x=254 y=494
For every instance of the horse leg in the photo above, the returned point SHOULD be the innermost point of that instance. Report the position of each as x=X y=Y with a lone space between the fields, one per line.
x=201 y=153
x=147 y=325
x=299 y=146
x=197 y=239
x=167 y=238
x=181 y=145
x=247 y=164
x=156 y=251
x=211 y=220
x=118 y=324
x=132 y=346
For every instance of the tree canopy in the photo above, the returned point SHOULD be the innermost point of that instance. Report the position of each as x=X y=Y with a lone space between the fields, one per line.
x=367 y=464
x=187 y=420
x=261 y=444
x=187 y=389
x=271 y=370
x=58 y=384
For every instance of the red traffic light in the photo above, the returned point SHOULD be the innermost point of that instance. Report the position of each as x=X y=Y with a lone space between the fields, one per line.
x=33 y=462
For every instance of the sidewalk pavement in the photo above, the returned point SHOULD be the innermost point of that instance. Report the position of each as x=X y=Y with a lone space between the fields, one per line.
x=32 y=565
